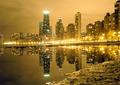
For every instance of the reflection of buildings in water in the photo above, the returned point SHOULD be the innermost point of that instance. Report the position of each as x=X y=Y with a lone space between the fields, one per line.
x=44 y=59
x=46 y=64
x=17 y=51
x=81 y=60
x=1 y=51
x=77 y=57
x=24 y=51
x=32 y=50
x=97 y=56
x=59 y=57
x=71 y=56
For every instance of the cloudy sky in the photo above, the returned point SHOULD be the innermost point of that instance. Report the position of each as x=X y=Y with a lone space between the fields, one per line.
x=25 y=15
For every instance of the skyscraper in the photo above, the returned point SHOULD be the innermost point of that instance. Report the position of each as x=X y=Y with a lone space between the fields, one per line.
x=99 y=27
x=78 y=24
x=71 y=31
x=117 y=14
x=45 y=29
x=112 y=22
x=59 y=29
x=90 y=28
x=107 y=22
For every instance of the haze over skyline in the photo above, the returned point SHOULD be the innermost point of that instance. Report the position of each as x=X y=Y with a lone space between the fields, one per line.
x=25 y=15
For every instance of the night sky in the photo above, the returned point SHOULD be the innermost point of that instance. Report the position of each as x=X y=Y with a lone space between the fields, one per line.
x=25 y=15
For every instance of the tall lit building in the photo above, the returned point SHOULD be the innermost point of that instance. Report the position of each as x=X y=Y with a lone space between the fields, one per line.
x=107 y=22
x=99 y=28
x=90 y=28
x=117 y=14
x=46 y=23
x=71 y=31
x=45 y=29
x=112 y=22
x=59 y=29
x=78 y=25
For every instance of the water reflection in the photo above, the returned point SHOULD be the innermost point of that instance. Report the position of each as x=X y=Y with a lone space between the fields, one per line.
x=44 y=59
x=1 y=51
x=54 y=62
x=24 y=51
x=60 y=56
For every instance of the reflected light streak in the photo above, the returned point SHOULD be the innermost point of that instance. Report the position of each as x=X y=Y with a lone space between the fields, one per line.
x=46 y=75
x=9 y=43
x=71 y=47
x=52 y=42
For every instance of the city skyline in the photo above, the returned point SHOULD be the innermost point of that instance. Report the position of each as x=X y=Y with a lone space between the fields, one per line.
x=27 y=16
x=59 y=42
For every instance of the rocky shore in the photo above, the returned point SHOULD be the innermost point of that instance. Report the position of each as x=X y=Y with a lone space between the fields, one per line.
x=107 y=73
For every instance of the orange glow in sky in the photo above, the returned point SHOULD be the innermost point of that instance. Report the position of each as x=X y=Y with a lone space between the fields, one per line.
x=25 y=15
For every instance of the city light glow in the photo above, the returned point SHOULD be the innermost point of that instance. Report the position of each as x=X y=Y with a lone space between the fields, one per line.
x=46 y=75
x=46 y=12
x=54 y=42
x=9 y=43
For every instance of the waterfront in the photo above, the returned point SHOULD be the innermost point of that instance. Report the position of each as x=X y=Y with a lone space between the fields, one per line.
x=40 y=43
x=38 y=65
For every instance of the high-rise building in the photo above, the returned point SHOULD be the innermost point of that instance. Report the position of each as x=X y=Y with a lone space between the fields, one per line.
x=112 y=22
x=117 y=14
x=90 y=28
x=99 y=27
x=78 y=25
x=107 y=22
x=45 y=28
x=59 y=29
x=71 y=31
x=46 y=23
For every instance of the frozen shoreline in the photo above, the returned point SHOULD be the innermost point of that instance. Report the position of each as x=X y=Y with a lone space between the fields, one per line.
x=107 y=73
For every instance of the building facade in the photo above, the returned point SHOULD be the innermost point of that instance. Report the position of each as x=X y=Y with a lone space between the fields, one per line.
x=45 y=31
x=117 y=14
x=90 y=28
x=78 y=25
x=99 y=28
x=107 y=22
x=59 y=30
x=71 y=31
x=112 y=22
